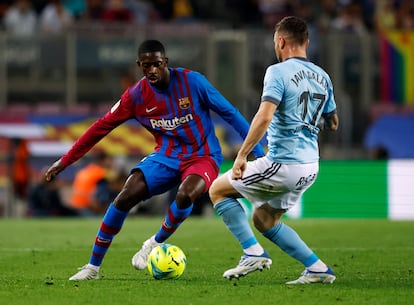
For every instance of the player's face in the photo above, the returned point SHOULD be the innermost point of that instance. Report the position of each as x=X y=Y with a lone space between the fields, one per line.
x=154 y=68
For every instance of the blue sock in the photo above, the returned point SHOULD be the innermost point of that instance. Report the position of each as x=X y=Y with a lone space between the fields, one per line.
x=110 y=226
x=290 y=242
x=236 y=221
x=172 y=221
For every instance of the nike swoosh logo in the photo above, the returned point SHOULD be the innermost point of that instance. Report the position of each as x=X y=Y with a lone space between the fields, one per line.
x=147 y=110
x=102 y=240
x=208 y=177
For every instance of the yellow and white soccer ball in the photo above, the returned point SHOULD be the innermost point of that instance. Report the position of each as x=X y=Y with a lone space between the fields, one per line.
x=166 y=261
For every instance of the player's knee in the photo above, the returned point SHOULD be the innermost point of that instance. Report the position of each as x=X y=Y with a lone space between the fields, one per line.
x=133 y=192
x=258 y=222
x=215 y=193
x=126 y=200
x=263 y=220
x=189 y=191
x=184 y=199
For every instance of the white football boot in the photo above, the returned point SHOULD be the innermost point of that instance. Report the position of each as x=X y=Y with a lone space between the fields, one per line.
x=247 y=264
x=139 y=260
x=309 y=277
x=85 y=273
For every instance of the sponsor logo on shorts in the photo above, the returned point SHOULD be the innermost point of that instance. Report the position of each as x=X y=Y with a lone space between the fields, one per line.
x=306 y=180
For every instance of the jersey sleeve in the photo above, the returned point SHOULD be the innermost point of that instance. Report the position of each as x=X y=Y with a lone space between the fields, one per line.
x=120 y=112
x=272 y=86
x=220 y=105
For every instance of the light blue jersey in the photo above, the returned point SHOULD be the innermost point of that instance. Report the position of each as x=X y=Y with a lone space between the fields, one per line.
x=303 y=92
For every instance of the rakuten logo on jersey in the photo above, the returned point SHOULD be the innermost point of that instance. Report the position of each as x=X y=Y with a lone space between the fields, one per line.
x=171 y=124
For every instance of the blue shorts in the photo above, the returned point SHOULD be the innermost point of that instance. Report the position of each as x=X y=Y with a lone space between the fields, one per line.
x=161 y=177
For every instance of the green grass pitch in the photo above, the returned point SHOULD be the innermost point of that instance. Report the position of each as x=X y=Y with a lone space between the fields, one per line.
x=373 y=260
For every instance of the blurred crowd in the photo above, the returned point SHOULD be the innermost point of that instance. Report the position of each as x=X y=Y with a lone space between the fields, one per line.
x=94 y=186
x=25 y=18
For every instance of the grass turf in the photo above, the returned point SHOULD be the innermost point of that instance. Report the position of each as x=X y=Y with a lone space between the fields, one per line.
x=373 y=260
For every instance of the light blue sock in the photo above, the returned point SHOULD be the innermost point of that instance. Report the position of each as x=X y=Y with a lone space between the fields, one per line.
x=290 y=242
x=236 y=221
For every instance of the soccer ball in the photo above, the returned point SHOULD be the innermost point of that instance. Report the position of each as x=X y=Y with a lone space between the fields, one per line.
x=166 y=261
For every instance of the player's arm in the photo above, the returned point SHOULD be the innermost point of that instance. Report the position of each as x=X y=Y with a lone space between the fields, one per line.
x=258 y=128
x=331 y=121
x=220 y=105
x=118 y=114
x=99 y=129
x=240 y=124
x=329 y=115
x=53 y=170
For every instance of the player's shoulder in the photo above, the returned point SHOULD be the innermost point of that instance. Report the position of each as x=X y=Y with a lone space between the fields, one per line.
x=280 y=66
x=299 y=64
x=279 y=70
x=187 y=72
x=320 y=71
x=315 y=67
x=136 y=90
x=138 y=85
x=194 y=78
x=324 y=72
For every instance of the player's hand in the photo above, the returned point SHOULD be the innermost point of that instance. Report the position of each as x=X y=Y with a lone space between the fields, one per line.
x=55 y=169
x=239 y=167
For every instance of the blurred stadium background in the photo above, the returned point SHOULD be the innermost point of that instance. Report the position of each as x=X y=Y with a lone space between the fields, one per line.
x=54 y=83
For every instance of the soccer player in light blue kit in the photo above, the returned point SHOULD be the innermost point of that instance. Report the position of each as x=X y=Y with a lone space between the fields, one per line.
x=296 y=94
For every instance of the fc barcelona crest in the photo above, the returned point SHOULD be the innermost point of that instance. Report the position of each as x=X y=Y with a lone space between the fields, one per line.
x=184 y=102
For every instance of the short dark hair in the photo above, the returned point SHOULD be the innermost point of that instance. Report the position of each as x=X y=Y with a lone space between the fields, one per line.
x=150 y=46
x=295 y=26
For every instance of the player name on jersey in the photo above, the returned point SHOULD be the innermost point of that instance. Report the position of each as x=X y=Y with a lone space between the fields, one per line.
x=302 y=74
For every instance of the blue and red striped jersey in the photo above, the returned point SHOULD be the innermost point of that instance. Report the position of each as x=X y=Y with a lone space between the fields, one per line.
x=178 y=118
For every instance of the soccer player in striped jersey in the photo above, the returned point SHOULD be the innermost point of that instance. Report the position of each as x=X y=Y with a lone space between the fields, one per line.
x=174 y=105
x=296 y=93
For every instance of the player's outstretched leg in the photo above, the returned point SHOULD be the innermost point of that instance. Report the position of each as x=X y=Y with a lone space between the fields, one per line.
x=110 y=226
x=289 y=241
x=255 y=257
